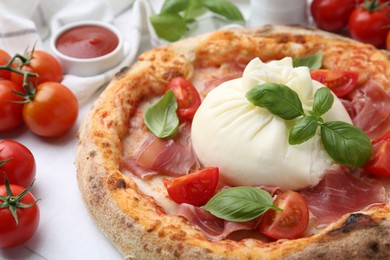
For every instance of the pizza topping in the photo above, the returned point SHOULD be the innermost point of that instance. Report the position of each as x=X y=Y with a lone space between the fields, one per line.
x=340 y=192
x=379 y=163
x=238 y=129
x=369 y=108
x=340 y=82
x=173 y=156
x=195 y=188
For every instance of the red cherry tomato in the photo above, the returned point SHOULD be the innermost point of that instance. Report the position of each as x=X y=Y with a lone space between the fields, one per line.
x=370 y=25
x=340 y=82
x=4 y=58
x=388 y=41
x=187 y=96
x=379 y=164
x=20 y=166
x=289 y=223
x=12 y=233
x=11 y=113
x=195 y=188
x=332 y=15
x=42 y=63
x=52 y=112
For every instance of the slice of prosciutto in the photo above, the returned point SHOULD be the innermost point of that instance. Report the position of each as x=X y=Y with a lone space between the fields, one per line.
x=214 y=228
x=369 y=109
x=341 y=192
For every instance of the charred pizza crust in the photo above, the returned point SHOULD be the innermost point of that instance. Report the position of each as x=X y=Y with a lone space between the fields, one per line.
x=138 y=226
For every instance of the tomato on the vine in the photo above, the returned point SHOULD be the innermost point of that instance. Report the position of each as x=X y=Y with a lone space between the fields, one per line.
x=11 y=113
x=188 y=99
x=4 y=59
x=52 y=111
x=289 y=223
x=18 y=163
x=369 y=23
x=331 y=15
x=340 y=82
x=15 y=231
x=195 y=188
x=44 y=64
x=379 y=164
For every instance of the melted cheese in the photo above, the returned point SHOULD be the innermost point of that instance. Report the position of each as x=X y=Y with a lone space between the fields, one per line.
x=248 y=143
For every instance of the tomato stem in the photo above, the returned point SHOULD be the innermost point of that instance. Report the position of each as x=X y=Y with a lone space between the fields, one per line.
x=372 y=5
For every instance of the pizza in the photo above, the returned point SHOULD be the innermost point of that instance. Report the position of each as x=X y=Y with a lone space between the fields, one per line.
x=136 y=183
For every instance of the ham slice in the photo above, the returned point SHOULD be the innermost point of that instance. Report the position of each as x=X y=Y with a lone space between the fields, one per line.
x=214 y=228
x=341 y=192
x=369 y=109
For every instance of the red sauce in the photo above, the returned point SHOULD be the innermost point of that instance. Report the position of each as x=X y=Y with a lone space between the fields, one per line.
x=87 y=41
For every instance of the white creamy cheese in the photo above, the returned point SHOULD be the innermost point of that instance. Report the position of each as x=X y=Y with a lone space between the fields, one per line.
x=248 y=143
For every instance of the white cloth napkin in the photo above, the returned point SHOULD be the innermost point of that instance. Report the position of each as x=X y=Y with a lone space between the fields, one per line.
x=24 y=24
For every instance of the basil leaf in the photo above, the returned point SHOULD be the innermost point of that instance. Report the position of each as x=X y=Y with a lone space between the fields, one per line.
x=345 y=143
x=224 y=8
x=323 y=101
x=279 y=99
x=174 y=6
x=313 y=61
x=195 y=10
x=303 y=129
x=170 y=27
x=240 y=203
x=161 y=118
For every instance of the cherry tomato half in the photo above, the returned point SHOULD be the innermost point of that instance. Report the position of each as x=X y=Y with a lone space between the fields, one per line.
x=52 y=112
x=12 y=233
x=332 y=15
x=187 y=96
x=340 y=82
x=4 y=58
x=195 y=188
x=42 y=63
x=290 y=223
x=379 y=164
x=20 y=166
x=11 y=113
x=370 y=26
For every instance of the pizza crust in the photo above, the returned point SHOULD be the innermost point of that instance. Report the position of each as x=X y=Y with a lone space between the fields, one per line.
x=137 y=225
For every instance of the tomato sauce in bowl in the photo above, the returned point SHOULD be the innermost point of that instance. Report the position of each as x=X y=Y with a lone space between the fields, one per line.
x=88 y=48
x=87 y=41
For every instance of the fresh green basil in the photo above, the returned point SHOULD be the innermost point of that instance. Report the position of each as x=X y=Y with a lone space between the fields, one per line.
x=279 y=99
x=323 y=101
x=161 y=118
x=224 y=8
x=303 y=129
x=313 y=61
x=240 y=203
x=345 y=143
x=175 y=15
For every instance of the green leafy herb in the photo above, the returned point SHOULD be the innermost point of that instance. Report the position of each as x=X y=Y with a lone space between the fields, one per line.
x=161 y=118
x=345 y=143
x=313 y=61
x=278 y=99
x=240 y=203
x=175 y=15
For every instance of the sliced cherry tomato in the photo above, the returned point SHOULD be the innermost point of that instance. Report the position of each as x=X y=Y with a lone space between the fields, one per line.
x=289 y=223
x=4 y=58
x=332 y=15
x=14 y=233
x=369 y=23
x=53 y=110
x=187 y=96
x=19 y=163
x=195 y=188
x=11 y=113
x=340 y=82
x=379 y=164
x=42 y=63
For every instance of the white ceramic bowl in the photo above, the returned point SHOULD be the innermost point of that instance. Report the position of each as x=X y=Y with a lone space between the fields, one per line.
x=86 y=67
